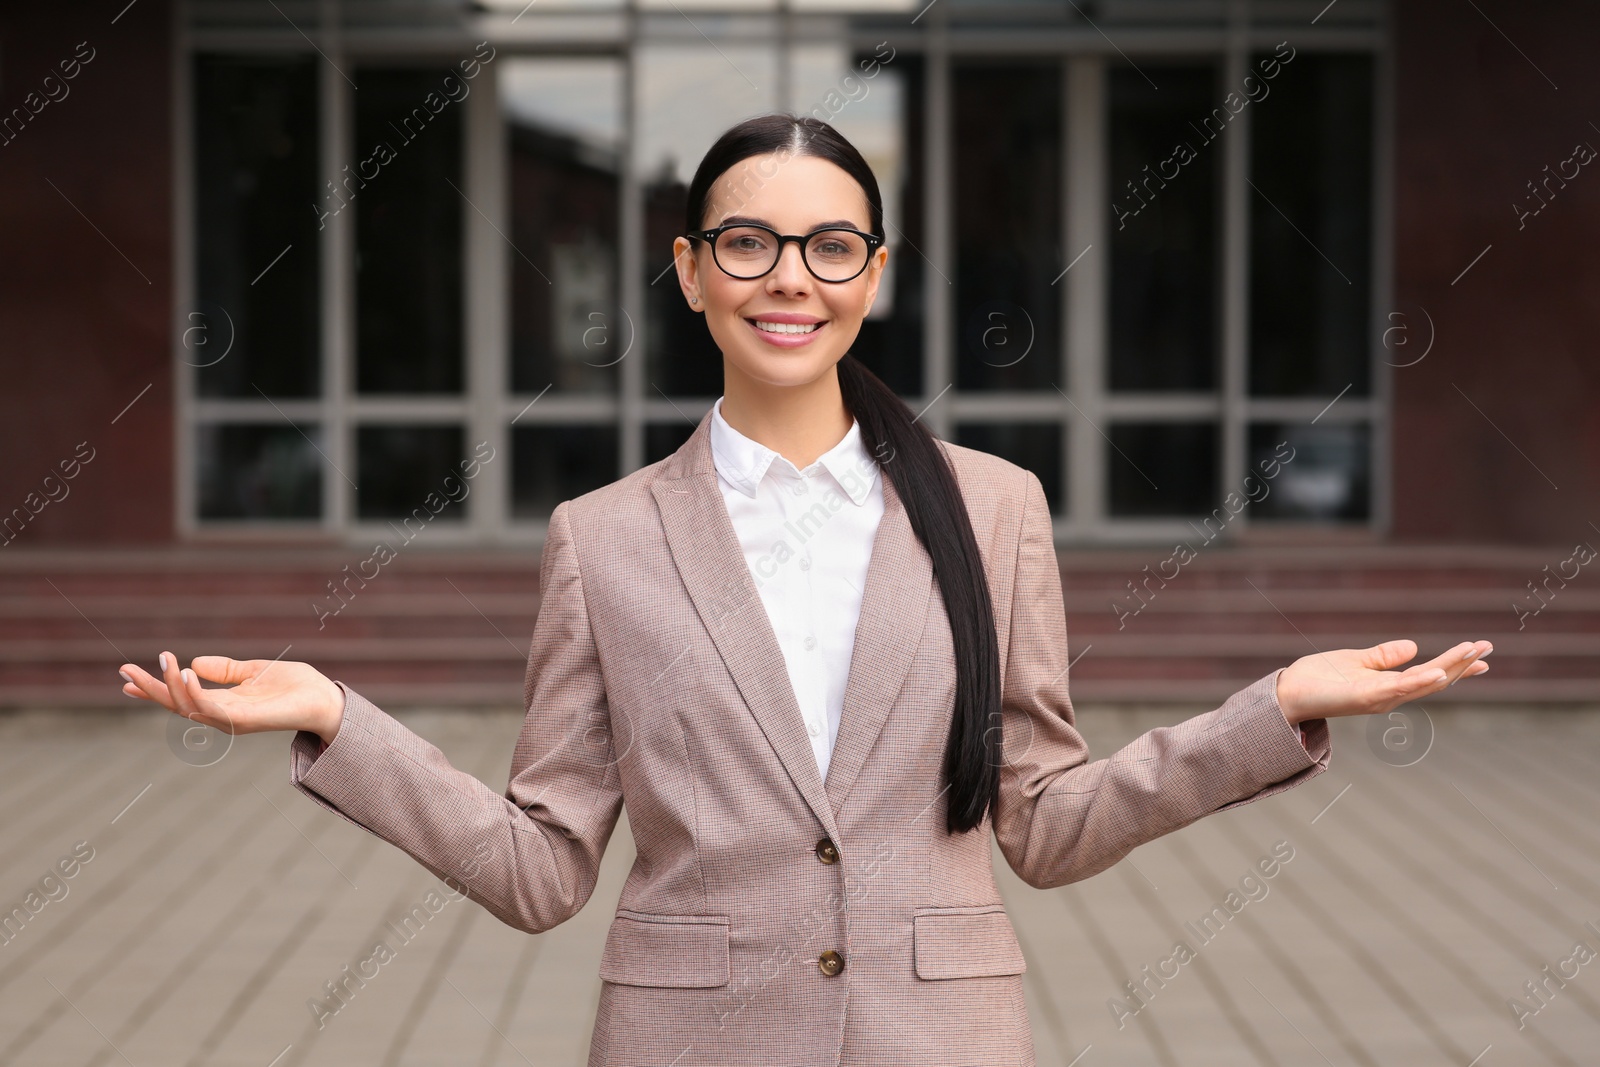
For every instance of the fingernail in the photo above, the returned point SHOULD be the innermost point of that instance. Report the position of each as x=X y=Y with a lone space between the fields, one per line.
x=188 y=676
x=1468 y=654
x=164 y=667
x=125 y=677
x=133 y=696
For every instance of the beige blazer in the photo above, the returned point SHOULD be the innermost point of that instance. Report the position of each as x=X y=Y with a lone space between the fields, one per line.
x=773 y=918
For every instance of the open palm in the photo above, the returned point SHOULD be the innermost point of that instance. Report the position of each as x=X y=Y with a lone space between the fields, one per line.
x=262 y=695
x=1360 y=681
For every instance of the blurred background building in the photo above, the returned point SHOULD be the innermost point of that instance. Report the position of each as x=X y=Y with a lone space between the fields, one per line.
x=1305 y=287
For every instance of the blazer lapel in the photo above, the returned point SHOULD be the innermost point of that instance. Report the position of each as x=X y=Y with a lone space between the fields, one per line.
x=705 y=547
x=894 y=605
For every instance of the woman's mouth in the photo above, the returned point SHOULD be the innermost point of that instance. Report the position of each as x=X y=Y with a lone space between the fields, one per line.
x=786 y=334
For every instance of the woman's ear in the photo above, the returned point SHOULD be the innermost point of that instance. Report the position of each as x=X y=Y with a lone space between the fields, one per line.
x=875 y=266
x=688 y=268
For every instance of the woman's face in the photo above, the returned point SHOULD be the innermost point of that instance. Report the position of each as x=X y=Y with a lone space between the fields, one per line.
x=794 y=195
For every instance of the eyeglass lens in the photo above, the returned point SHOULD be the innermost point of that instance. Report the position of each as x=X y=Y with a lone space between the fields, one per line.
x=832 y=255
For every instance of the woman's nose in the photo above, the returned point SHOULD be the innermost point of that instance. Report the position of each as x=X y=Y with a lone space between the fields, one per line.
x=789 y=275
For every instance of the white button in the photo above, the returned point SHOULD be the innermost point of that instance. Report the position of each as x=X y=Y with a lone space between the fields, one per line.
x=814 y=730
x=805 y=563
x=811 y=642
x=800 y=490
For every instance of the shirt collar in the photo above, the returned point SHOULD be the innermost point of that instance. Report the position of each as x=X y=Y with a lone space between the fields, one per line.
x=744 y=462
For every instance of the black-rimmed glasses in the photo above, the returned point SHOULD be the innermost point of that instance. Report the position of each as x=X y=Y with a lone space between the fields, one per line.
x=747 y=251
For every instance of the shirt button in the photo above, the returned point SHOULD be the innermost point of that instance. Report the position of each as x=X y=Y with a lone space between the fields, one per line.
x=827 y=851
x=814 y=729
x=830 y=962
x=805 y=563
x=811 y=642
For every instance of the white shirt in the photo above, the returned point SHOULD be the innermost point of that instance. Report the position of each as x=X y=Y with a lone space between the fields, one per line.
x=807 y=538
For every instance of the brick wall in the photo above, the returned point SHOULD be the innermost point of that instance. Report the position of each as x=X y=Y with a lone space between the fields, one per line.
x=1519 y=334
x=85 y=285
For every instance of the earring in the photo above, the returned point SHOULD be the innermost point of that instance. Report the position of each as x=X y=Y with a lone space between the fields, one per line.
x=694 y=300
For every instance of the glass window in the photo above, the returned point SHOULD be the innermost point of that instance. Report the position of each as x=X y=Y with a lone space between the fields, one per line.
x=564 y=139
x=406 y=189
x=1166 y=287
x=257 y=263
x=1006 y=130
x=268 y=471
x=555 y=463
x=1162 y=469
x=1318 y=473
x=411 y=470
x=1310 y=228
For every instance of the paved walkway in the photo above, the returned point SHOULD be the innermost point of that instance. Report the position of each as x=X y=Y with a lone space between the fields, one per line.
x=209 y=904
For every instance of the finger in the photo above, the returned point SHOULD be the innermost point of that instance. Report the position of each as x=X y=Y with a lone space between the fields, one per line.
x=1421 y=679
x=1390 y=653
x=1449 y=659
x=1449 y=667
x=1407 y=686
x=1472 y=669
x=225 y=670
x=1464 y=658
x=130 y=688
x=151 y=687
x=178 y=685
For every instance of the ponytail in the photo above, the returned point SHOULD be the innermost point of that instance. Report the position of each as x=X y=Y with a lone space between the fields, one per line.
x=927 y=486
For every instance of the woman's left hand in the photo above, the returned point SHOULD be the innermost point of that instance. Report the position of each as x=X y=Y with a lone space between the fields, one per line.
x=1358 y=681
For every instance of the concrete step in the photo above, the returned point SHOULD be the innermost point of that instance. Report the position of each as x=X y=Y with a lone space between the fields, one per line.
x=453 y=627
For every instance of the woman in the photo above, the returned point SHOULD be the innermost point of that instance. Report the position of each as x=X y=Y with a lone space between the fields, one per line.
x=811 y=651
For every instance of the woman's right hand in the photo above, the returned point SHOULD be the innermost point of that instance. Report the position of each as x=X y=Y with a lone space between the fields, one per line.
x=264 y=695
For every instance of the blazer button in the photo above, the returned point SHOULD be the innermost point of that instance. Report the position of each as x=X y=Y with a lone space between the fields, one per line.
x=830 y=962
x=827 y=852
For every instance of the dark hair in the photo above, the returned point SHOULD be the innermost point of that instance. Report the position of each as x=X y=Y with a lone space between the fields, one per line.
x=921 y=473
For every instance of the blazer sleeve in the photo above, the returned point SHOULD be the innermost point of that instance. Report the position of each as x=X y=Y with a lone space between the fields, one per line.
x=1061 y=818
x=532 y=855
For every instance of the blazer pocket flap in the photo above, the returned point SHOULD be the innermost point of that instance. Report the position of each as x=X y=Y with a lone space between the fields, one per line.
x=666 y=950
x=965 y=942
